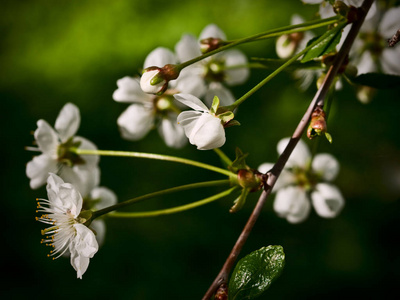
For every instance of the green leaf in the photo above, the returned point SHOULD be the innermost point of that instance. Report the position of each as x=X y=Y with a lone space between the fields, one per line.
x=254 y=273
x=378 y=80
x=325 y=46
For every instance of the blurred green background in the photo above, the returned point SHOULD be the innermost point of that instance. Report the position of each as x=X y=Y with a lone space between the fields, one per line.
x=54 y=52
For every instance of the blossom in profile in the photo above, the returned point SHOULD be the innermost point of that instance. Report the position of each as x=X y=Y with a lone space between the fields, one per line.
x=306 y=182
x=55 y=144
x=224 y=68
x=202 y=126
x=148 y=111
x=67 y=230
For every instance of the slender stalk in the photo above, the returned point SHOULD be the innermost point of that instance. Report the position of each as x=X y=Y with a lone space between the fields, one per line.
x=181 y=188
x=278 y=70
x=173 y=210
x=222 y=277
x=264 y=35
x=154 y=156
x=223 y=156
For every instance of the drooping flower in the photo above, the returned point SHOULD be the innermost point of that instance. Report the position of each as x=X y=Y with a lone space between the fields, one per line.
x=81 y=171
x=227 y=67
x=303 y=181
x=202 y=126
x=67 y=230
x=148 y=110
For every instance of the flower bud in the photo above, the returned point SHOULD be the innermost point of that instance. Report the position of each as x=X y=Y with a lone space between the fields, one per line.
x=152 y=82
x=210 y=44
x=317 y=124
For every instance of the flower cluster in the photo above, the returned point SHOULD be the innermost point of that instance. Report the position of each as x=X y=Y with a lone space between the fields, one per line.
x=152 y=98
x=303 y=179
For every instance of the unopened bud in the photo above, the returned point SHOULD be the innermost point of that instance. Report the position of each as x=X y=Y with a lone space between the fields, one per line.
x=222 y=292
x=152 y=82
x=210 y=44
x=341 y=8
x=155 y=80
x=317 y=125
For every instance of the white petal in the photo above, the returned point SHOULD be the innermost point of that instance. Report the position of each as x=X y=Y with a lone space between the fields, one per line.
x=191 y=101
x=53 y=186
x=83 y=247
x=296 y=19
x=390 y=22
x=312 y=1
x=90 y=160
x=208 y=133
x=145 y=82
x=46 y=138
x=212 y=31
x=326 y=10
x=326 y=166
x=68 y=121
x=366 y=64
x=327 y=200
x=188 y=120
x=99 y=228
x=285 y=178
x=105 y=196
x=83 y=178
x=38 y=170
x=70 y=198
x=292 y=203
x=135 y=122
x=300 y=155
x=217 y=89
x=187 y=48
x=159 y=57
x=390 y=60
x=172 y=133
x=189 y=84
x=235 y=58
x=284 y=47
x=129 y=91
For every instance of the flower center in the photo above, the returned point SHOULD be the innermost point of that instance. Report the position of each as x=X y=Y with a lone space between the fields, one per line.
x=373 y=42
x=66 y=156
x=214 y=70
x=307 y=179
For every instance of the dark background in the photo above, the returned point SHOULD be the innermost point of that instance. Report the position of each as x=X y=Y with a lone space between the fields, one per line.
x=74 y=51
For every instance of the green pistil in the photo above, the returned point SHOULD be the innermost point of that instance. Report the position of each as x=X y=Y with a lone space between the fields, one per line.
x=306 y=179
x=215 y=70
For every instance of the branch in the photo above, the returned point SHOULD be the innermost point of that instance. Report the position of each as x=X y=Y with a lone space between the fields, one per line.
x=273 y=175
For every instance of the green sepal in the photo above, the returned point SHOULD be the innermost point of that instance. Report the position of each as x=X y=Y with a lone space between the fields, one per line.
x=377 y=80
x=254 y=273
x=240 y=201
x=327 y=45
x=156 y=80
x=239 y=162
x=215 y=105
x=85 y=217
x=328 y=137
x=232 y=123
x=226 y=116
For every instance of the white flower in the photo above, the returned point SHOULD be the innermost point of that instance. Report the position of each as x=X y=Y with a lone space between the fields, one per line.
x=203 y=129
x=100 y=197
x=81 y=171
x=300 y=181
x=149 y=111
x=370 y=52
x=66 y=231
x=227 y=67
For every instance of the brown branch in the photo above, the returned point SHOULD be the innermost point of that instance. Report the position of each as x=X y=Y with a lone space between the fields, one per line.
x=273 y=174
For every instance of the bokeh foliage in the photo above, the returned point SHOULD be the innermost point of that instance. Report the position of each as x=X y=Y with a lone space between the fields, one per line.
x=53 y=52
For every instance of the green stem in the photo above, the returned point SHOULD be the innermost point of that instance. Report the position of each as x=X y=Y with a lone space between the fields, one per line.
x=278 y=70
x=181 y=188
x=223 y=156
x=264 y=35
x=174 y=209
x=153 y=156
